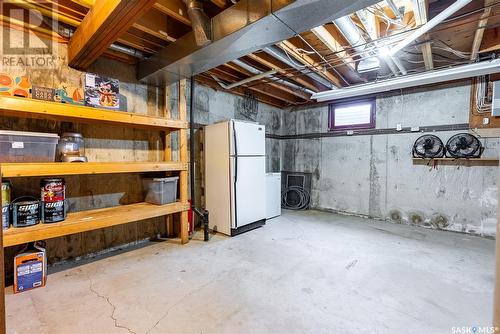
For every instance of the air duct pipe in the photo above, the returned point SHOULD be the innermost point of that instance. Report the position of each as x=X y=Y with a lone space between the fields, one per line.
x=430 y=77
x=244 y=81
x=354 y=37
x=394 y=9
x=200 y=21
x=429 y=25
x=255 y=71
x=283 y=57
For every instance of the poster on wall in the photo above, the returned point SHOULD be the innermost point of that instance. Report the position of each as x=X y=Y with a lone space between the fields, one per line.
x=101 y=92
x=14 y=85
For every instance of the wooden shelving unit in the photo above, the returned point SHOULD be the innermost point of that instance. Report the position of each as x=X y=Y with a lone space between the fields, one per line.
x=101 y=218
x=84 y=221
x=457 y=162
x=10 y=170
x=16 y=106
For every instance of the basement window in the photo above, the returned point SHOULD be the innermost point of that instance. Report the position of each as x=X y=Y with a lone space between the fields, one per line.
x=358 y=114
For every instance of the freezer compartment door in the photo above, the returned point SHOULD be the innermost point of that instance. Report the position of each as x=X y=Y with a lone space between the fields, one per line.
x=248 y=139
x=249 y=190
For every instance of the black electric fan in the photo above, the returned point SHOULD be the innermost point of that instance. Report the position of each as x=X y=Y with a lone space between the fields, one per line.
x=428 y=146
x=464 y=145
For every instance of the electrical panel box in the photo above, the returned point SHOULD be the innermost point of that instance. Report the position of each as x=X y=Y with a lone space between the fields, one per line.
x=495 y=103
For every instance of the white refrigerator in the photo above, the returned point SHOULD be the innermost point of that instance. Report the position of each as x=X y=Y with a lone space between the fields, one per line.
x=235 y=176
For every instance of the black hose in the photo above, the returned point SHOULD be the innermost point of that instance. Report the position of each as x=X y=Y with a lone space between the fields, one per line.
x=203 y=214
x=300 y=201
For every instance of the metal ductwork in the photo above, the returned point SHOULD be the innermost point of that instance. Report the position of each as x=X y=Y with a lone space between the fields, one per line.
x=352 y=34
x=284 y=58
x=202 y=28
x=245 y=27
x=255 y=71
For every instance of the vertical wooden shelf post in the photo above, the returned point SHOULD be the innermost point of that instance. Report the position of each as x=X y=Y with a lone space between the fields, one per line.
x=168 y=150
x=2 y=278
x=183 y=152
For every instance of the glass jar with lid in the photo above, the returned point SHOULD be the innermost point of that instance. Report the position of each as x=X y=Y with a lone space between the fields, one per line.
x=71 y=147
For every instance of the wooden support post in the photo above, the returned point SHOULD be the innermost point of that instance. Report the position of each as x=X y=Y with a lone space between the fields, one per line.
x=168 y=151
x=183 y=152
x=2 y=279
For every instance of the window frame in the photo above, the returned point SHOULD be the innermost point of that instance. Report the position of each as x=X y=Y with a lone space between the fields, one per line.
x=331 y=114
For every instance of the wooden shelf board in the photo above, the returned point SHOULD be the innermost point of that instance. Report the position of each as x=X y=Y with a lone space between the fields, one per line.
x=84 y=221
x=17 y=106
x=80 y=168
x=459 y=161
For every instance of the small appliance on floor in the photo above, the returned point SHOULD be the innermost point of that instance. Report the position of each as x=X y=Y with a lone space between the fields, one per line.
x=273 y=195
x=235 y=176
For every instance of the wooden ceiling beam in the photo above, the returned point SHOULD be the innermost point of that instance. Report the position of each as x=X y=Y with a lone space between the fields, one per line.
x=491 y=40
x=334 y=46
x=271 y=63
x=84 y=3
x=136 y=43
x=176 y=9
x=156 y=24
x=290 y=48
x=219 y=3
x=478 y=36
x=231 y=77
x=289 y=90
x=103 y=25
x=421 y=13
x=240 y=91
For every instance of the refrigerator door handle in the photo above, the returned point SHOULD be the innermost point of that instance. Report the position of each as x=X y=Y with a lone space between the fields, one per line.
x=235 y=176
x=235 y=155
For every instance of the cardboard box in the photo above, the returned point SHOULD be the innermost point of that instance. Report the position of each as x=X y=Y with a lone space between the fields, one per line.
x=101 y=92
x=30 y=269
x=14 y=85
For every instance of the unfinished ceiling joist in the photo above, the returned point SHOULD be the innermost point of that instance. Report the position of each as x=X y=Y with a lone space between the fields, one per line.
x=245 y=27
x=478 y=36
x=175 y=9
x=106 y=21
x=421 y=8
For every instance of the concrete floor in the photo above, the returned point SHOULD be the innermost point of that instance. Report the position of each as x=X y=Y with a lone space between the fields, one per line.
x=309 y=272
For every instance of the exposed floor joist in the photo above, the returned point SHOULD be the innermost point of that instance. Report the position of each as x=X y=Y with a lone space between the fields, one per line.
x=286 y=89
x=104 y=24
x=290 y=48
x=175 y=9
x=241 y=91
x=421 y=17
x=271 y=63
x=229 y=75
x=478 y=36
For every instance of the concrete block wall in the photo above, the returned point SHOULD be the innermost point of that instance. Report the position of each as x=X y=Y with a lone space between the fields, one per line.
x=374 y=175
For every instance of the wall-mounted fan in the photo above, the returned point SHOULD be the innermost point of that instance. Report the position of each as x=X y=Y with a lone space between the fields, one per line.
x=428 y=146
x=464 y=145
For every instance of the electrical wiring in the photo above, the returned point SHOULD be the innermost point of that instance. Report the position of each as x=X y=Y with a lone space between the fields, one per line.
x=481 y=98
